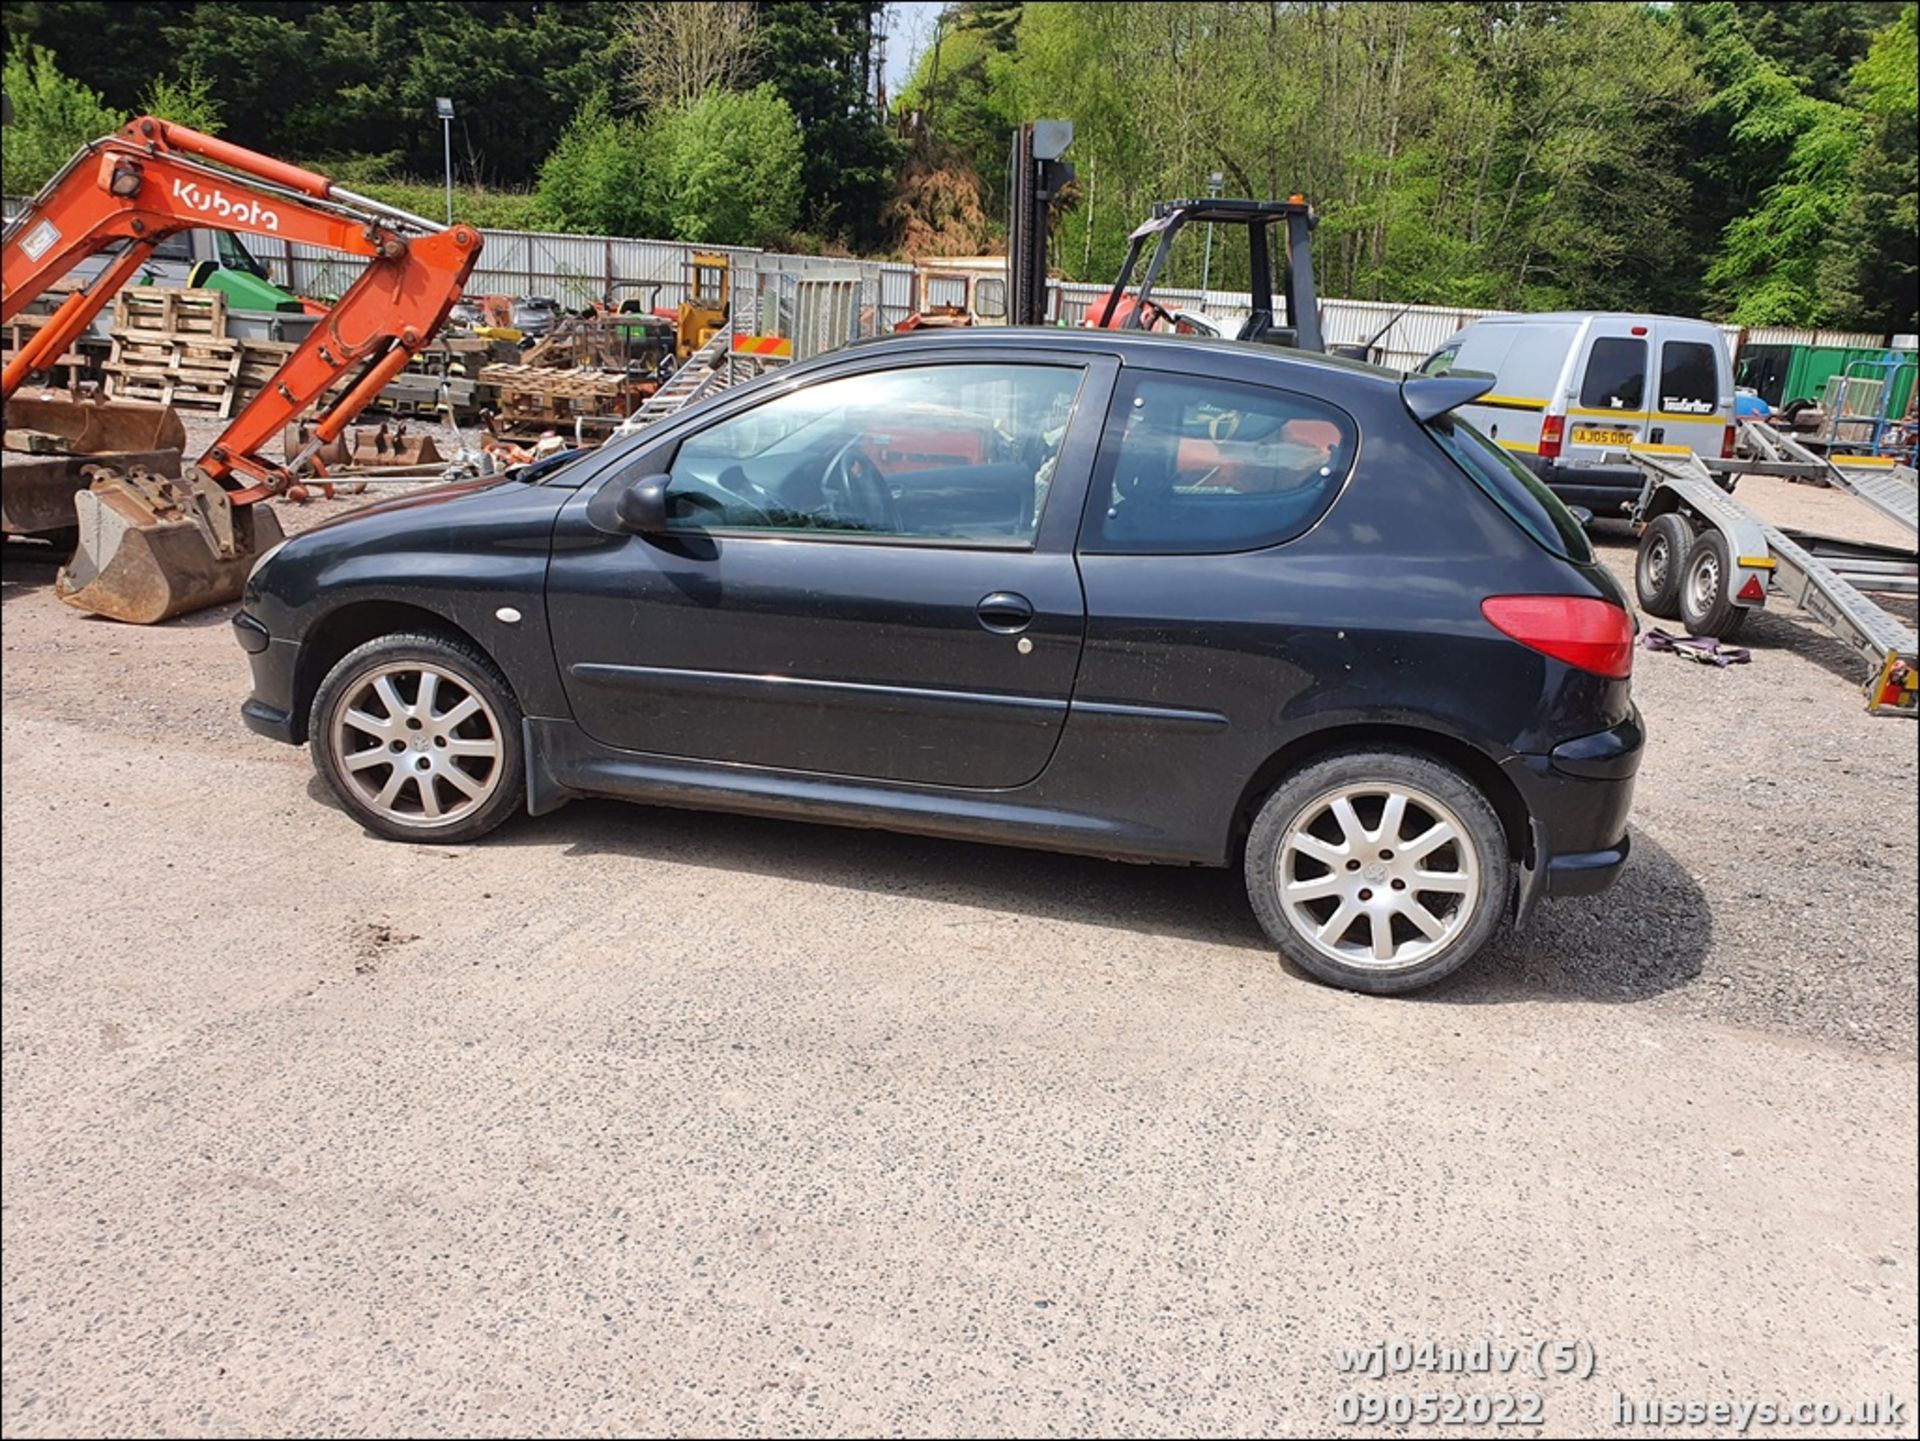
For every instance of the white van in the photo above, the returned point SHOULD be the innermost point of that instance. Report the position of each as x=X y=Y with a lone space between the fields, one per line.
x=1574 y=385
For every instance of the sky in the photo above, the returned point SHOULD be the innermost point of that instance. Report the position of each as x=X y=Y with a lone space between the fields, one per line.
x=909 y=31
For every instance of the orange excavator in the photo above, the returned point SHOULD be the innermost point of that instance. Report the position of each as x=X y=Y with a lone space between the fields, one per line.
x=155 y=546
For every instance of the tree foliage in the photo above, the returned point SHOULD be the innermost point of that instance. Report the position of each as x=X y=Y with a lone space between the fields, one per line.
x=53 y=116
x=1752 y=161
x=724 y=170
x=819 y=56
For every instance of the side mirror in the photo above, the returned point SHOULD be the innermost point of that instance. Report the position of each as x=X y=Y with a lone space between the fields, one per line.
x=642 y=505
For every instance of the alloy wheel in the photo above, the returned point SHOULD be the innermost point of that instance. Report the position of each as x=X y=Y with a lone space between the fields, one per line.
x=1379 y=875
x=417 y=744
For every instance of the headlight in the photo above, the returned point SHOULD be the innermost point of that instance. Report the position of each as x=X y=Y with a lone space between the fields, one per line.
x=270 y=552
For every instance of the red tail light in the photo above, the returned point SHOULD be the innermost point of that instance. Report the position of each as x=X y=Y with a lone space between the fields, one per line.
x=1593 y=635
x=1552 y=431
x=1728 y=439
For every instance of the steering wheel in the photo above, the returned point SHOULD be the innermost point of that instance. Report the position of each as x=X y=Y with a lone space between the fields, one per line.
x=855 y=491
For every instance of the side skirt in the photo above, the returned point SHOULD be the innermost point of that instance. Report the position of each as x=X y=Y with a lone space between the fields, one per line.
x=564 y=763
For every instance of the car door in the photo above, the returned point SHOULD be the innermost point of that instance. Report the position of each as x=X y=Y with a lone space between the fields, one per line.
x=1692 y=405
x=868 y=575
x=1609 y=411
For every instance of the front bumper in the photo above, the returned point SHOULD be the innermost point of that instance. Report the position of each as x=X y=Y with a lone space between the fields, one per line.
x=270 y=711
x=1578 y=797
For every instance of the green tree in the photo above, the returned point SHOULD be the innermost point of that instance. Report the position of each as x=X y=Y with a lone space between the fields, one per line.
x=733 y=167
x=53 y=116
x=606 y=176
x=188 y=101
x=1867 y=276
x=819 y=56
x=1771 y=255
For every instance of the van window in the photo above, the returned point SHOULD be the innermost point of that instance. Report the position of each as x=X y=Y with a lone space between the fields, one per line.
x=1514 y=488
x=1193 y=467
x=1689 y=379
x=176 y=246
x=1616 y=375
x=1441 y=361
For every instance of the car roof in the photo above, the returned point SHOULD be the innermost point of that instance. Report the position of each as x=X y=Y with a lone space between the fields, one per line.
x=1143 y=347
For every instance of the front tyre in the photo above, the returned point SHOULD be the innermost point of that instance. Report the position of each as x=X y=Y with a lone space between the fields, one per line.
x=1378 y=870
x=419 y=736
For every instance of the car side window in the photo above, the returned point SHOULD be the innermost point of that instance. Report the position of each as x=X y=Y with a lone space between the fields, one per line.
x=1192 y=466
x=1689 y=380
x=932 y=452
x=1616 y=377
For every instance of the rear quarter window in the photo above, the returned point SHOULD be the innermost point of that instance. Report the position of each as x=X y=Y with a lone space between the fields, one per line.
x=1514 y=488
x=1207 y=467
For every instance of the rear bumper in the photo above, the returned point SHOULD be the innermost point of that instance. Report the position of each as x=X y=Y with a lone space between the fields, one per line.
x=1578 y=797
x=1606 y=490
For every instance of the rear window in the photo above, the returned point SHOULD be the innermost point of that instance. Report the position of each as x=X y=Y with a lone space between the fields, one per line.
x=1514 y=488
x=1205 y=466
x=1616 y=376
x=1689 y=379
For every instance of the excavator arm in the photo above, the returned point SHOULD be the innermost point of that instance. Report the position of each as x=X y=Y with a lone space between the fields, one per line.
x=134 y=189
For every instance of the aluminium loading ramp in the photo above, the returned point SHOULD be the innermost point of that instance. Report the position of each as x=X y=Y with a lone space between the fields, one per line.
x=1828 y=579
x=704 y=373
x=1878 y=481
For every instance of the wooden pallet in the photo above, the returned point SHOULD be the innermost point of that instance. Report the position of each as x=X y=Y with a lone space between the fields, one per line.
x=195 y=371
x=171 y=312
x=15 y=334
x=554 y=384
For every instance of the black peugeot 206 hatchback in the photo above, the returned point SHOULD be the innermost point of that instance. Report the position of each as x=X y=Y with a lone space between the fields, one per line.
x=1138 y=596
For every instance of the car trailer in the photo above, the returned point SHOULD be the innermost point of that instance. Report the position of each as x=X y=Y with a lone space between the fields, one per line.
x=1708 y=561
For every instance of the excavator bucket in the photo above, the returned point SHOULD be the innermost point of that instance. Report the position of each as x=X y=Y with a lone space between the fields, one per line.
x=295 y=438
x=52 y=442
x=394 y=447
x=152 y=547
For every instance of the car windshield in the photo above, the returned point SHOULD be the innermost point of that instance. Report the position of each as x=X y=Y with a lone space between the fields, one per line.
x=1514 y=488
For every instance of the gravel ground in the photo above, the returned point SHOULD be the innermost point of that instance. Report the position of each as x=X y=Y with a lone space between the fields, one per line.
x=642 y=1120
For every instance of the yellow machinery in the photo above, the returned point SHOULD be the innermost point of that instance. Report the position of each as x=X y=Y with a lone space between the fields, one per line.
x=709 y=293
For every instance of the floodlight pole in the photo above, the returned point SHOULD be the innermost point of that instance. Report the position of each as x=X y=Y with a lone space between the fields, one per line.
x=444 y=106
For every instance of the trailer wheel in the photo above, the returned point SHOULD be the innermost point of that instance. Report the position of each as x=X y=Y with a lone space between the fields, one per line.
x=1662 y=562
x=1706 y=590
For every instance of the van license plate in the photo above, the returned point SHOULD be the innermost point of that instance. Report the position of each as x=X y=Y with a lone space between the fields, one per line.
x=1587 y=435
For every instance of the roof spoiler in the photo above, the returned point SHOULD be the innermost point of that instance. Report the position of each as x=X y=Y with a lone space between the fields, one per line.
x=1431 y=396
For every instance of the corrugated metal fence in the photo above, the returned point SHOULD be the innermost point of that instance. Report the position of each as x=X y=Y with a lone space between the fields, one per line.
x=576 y=269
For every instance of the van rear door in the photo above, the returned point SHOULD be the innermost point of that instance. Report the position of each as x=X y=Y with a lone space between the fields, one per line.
x=1692 y=402
x=1608 y=410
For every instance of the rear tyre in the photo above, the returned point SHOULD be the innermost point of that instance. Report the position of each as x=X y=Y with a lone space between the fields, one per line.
x=1661 y=561
x=419 y=736
x=1706 y=590
x=1378 y=870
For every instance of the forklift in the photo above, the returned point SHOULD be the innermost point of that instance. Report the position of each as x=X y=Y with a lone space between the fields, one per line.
x=1298 y=325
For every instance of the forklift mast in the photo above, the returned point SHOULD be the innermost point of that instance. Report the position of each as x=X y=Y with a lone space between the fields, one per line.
x=1298 y=326
x=1036 y=176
